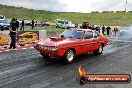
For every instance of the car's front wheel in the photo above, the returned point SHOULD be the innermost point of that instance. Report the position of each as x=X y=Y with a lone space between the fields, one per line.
x=99 y=50
x=69 y=56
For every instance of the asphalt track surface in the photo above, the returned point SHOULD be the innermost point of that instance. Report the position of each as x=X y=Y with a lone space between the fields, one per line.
x=28 y=69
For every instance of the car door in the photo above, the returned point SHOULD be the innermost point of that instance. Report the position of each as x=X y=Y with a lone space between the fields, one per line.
x=88 y=42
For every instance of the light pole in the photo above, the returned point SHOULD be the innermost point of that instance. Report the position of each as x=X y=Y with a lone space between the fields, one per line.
x=126 y=6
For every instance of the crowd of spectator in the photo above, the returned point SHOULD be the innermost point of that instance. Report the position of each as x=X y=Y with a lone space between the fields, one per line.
x=100 y=28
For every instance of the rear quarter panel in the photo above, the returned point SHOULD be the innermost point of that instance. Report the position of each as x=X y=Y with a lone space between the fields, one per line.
x=103 y=39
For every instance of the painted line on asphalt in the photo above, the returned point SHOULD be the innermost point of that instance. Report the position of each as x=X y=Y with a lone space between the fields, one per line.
x=19 y=48
x=23 y=78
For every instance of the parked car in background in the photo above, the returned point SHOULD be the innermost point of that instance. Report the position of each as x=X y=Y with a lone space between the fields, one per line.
x=28 y=22
x=70 y=43
x=4 y=24
x=42 y=23
x=65 y=24
x=2 y=17
x=20 y=22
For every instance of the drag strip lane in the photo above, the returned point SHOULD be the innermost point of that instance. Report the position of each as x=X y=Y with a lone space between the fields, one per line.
x=40 y=74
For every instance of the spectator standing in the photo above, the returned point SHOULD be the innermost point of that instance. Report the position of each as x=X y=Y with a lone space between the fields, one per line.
x=108 y=30
x=33 y=23
x=22 y=25
x=85 y=25
x=12 y=29
x=103 y=29
x=115 y=30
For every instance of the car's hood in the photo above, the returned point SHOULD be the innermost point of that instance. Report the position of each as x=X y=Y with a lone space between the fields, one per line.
x=57 y=41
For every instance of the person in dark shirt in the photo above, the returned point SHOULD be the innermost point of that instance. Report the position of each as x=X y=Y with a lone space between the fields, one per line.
x=22 y=26
x=85 y=25
x=108 y=30
x=33 y=23
x=12 y=29
x=115 y=30
x=103 y=29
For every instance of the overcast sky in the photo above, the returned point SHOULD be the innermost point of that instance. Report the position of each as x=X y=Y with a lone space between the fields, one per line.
x=70 y=5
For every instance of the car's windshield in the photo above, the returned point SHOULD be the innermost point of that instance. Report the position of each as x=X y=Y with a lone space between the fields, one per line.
x=66 y=22
x=72 y=33
x=62 y=22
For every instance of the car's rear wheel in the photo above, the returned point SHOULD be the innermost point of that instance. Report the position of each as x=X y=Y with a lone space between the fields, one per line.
x=99 y=50
x=69 y=55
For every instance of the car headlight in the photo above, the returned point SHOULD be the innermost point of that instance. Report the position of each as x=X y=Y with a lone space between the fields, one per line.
x=53 y=48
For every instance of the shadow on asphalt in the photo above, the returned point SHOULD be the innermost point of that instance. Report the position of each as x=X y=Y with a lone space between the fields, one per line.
x=78 y=60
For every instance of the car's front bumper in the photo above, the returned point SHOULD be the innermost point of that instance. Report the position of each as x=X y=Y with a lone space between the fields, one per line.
x=51 y=53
